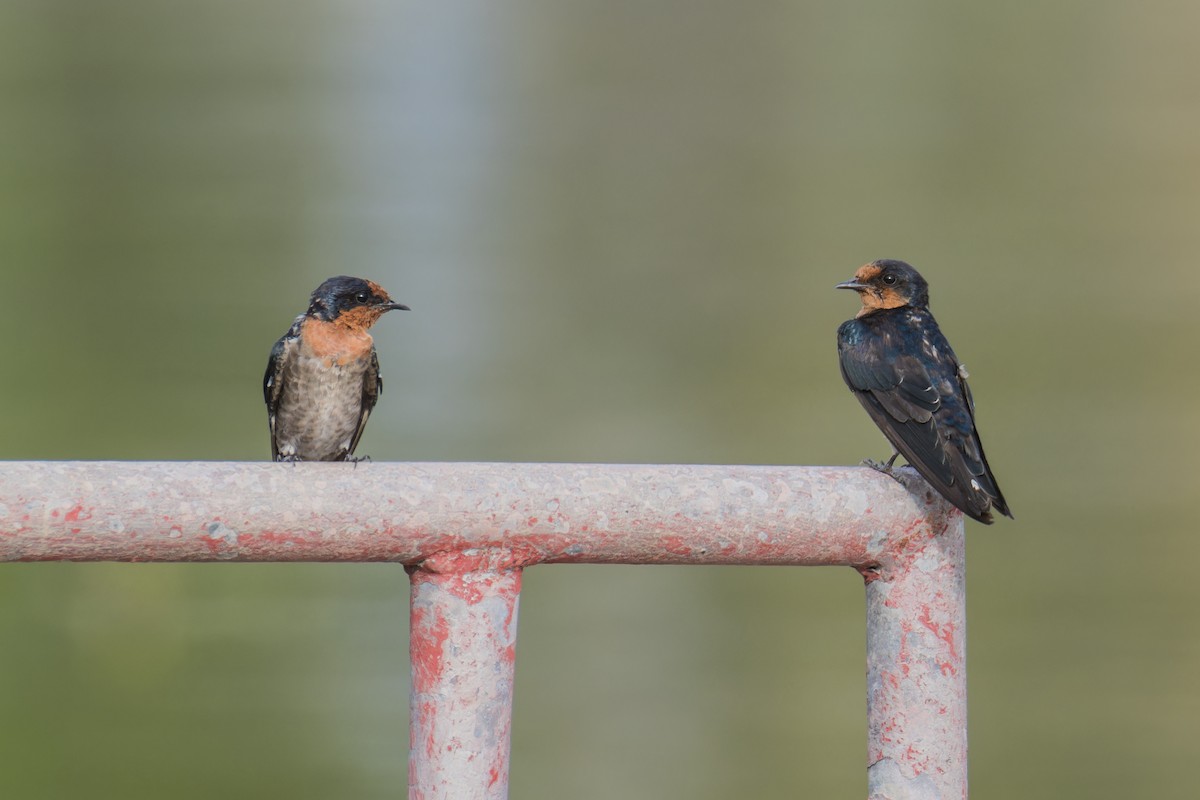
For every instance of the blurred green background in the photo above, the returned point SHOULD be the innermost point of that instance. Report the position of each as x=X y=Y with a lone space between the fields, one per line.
x=619 y=224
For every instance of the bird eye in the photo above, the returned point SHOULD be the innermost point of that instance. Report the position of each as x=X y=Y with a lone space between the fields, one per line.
x=889 y=279
x=361 y=297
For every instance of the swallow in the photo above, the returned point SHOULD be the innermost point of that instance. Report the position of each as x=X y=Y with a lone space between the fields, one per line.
x=898 y=364
x=323 y=376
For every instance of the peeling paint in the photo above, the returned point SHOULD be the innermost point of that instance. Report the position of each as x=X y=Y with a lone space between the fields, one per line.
x=463 y=652
x=916 y=665
x=466 y=531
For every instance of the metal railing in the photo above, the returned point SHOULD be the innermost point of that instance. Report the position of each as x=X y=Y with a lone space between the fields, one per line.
x=465 y=532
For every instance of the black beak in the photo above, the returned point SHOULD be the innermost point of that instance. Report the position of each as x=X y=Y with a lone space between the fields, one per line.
x=852 y=284
x=392 y=306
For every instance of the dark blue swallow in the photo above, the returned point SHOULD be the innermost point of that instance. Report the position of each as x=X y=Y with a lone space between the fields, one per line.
x=901 y=368
x=323 y=376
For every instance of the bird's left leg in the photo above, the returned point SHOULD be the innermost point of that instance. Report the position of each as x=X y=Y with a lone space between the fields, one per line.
x=886 y=466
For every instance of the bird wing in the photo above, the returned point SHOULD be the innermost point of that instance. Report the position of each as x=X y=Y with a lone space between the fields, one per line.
x=927 y=417
x=902 y=399
x=273 y=382
x=372 y=388
x=979 y=466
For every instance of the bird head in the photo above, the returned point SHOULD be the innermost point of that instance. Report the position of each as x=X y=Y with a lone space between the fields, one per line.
x=888 y=284
x=354 y=302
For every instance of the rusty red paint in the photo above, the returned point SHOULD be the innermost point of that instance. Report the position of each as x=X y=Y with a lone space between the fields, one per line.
x=214 y=544
x=74 y=515
x=427 y=649
x=463 y=650
x=466 y=531
x=916 y=664
x=944 y=632
x=676 y=545
x=273 y=537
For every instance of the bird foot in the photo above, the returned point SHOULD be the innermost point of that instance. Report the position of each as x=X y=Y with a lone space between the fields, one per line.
x=884 y=466
x=355 y=459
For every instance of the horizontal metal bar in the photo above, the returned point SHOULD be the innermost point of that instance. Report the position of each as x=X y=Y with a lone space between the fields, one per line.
x=579 y=513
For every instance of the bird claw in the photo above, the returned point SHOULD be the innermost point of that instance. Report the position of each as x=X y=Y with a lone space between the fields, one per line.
x=355 y=459
x=884 y=466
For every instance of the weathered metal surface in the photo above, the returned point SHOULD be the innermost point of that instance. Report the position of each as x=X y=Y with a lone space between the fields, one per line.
x=463 y=653
x=466 y=530
x=917 y=667
x=583 y=513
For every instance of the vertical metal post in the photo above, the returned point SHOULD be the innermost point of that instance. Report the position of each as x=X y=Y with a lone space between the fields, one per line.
x=916 y=668
x=463 y=652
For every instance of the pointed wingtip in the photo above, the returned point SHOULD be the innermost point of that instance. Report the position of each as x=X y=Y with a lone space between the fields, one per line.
x=986 y=516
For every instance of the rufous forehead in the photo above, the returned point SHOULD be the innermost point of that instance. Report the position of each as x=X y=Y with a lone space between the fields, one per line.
x=868 y=272
x=378 y=290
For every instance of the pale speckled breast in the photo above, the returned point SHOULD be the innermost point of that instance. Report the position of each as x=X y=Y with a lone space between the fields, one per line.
x=319 y=406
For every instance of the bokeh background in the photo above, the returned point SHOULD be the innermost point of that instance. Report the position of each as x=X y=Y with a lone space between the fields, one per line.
x=618 y=223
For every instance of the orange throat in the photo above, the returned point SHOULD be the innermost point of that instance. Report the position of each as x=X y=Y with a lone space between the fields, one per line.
x=360 y=318
x=343 y=340
x=878 y=299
